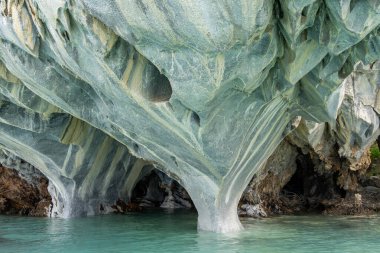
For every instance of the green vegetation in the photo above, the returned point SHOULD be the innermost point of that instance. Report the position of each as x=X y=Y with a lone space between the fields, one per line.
x=374 y=170
x=375 y=152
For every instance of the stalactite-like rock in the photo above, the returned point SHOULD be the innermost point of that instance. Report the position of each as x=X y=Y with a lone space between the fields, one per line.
x=204 y=90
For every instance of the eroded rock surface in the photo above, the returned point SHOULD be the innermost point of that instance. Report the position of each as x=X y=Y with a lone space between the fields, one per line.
x=24 y=194
x=323 y=167
x=301 y=183
x=203 y=90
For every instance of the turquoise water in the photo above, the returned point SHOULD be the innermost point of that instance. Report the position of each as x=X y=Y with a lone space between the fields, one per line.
x=162 y=231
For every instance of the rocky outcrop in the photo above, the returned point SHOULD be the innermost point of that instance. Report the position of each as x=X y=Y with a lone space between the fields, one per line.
x=18 y=196
x=263 y=194
x=301 y=183
x=204 y=91
x=323 y=167
x=23 y=188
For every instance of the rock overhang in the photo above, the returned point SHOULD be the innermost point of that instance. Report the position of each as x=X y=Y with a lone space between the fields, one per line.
x=205 y=90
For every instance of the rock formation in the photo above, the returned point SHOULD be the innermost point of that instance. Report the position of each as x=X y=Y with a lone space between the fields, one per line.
x=23 y=189
x=331 y=159
x=203 y=90
x=158 y=190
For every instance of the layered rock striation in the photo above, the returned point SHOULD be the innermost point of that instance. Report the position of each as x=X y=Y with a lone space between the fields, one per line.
x=204 y=91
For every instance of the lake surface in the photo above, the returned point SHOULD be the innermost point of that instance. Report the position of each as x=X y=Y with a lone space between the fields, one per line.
x=164 y=231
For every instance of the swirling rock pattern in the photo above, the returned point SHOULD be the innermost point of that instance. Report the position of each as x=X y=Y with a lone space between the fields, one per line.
x=203 y=89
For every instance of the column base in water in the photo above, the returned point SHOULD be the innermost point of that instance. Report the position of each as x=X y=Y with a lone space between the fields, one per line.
x=216 y=211
x=219 y=219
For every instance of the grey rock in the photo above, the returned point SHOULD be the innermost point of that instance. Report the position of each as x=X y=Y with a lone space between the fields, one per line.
x=204 y=90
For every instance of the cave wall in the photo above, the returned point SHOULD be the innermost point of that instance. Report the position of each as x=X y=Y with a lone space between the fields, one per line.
x=204 y=91
x=23 y=189
x=324 y=167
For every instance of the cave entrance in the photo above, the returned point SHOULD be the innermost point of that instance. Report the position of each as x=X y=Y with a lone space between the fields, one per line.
x=157 y=190
x=308 y=189
x=295 y=185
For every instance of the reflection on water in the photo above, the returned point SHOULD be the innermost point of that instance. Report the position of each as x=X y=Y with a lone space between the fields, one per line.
x=4 y=241
x=159 y=231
